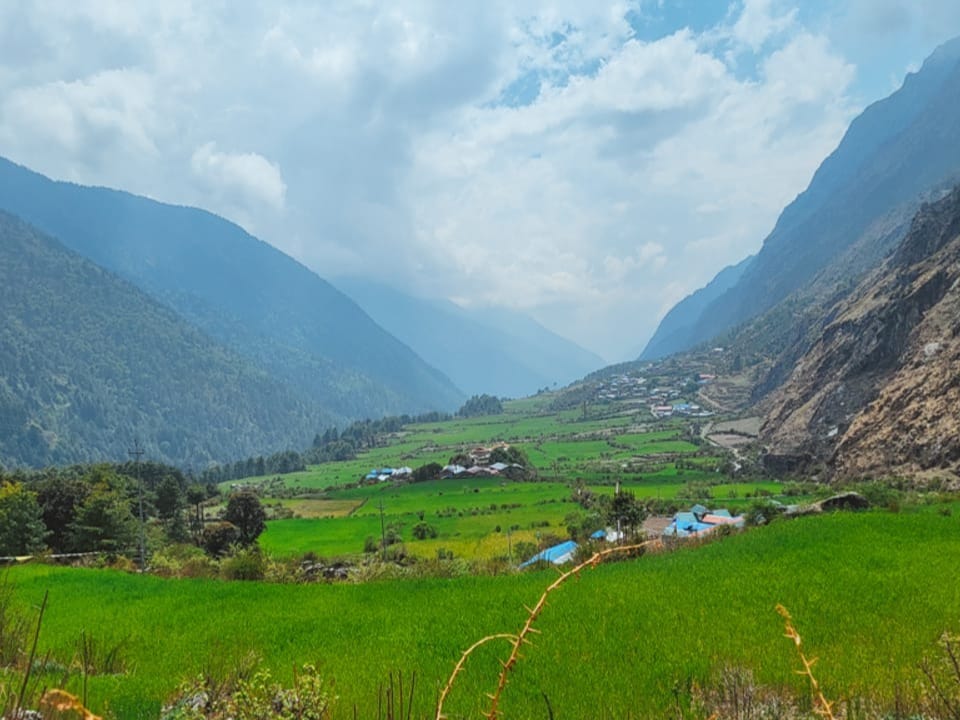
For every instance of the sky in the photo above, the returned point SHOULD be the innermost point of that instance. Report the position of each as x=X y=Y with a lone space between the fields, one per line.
x=587 y=163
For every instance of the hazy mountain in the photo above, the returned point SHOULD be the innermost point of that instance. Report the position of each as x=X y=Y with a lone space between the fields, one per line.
x=239 y=290
x=89 y=363
x=896 y=150
x=677 y=329
x=483 y=351
x=877 y=393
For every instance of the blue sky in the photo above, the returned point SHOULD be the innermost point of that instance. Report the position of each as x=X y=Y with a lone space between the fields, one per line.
x=587 y=163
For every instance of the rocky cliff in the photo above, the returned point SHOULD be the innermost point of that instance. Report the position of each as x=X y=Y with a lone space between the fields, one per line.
x=877 y=394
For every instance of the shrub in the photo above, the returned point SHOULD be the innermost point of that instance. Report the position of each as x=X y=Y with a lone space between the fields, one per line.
x=246 y=563
x=219 y=537
x=422 y=531
x=254 y=698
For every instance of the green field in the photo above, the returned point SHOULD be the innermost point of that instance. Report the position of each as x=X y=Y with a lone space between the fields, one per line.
x=870 y=593
x=472 y=516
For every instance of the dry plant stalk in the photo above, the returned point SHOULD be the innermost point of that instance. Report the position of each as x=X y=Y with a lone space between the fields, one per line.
x=57 y=704
x=518 y=640
x=823 y=707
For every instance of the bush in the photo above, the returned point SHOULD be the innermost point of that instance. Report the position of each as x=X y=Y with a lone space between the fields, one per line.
x=219 y=537
x=422 y=531
x=246 y=563
x=254 y=698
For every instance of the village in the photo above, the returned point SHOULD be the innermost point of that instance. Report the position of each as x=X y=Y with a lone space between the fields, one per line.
x=670 y=388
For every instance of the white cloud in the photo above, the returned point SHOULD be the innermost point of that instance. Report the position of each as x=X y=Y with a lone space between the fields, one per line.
x=250 y=176
x=757 y=23
x=526 y=153
x=110 y=112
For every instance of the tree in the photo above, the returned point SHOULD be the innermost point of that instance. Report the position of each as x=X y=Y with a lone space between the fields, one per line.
x=59 y=497
x=104 y=523
x=196 y=494
x=217 y=538
x=169 y=500
x=422 y=531
x=246 y=513
x=509 y=455
x=21 y=521
x=481 y=405
x=625 y=513
x=430 y=471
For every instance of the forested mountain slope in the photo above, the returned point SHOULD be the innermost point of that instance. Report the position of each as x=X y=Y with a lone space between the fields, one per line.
x=89 y=363
x=238 y=289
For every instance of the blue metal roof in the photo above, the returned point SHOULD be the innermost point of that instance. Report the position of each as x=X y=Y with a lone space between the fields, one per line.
x=551 y=554
x=599 y=534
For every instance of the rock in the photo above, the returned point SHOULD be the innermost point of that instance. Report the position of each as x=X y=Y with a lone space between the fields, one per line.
x=843 y=501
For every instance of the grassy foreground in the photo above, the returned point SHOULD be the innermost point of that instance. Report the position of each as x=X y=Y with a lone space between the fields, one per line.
x=870 y=594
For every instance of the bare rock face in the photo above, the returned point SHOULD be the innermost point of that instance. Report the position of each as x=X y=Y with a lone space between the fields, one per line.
x=879 y=393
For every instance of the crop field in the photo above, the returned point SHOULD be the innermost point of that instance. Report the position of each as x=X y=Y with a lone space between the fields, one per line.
x=472 y=517
x=870 y=593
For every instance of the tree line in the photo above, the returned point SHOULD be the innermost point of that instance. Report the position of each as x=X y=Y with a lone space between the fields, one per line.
x=329 y=446
x=99 y=508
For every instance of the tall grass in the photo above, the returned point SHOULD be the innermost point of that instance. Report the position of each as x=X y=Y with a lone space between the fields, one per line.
x=614 y=646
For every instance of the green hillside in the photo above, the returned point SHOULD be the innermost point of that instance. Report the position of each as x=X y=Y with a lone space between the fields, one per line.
x=88 y=363
x=239 y=290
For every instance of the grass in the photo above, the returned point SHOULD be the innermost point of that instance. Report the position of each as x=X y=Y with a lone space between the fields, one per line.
x=871 y=593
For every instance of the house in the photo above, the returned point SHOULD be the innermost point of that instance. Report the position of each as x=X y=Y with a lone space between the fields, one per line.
x=558 y=554
x=700 y=521
x=480 y=471
x=450 y=471
x=662 y=410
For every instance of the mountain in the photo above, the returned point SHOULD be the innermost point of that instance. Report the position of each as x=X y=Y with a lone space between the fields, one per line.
x=896 y=150
x=877 y=393
x=498 y=352
x=239 y=290
x=89 y=363
x=676 y=330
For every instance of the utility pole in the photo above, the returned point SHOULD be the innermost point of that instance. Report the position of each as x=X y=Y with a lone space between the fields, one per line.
x=383 y=534
x=137 y=453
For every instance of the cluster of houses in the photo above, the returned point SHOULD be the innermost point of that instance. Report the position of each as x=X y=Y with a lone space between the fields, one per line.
x=698 y=521
x=664 y=401
x=497 y=469
x=388 y=473
x=684 y=409
x=621 y=387
x=479 y=466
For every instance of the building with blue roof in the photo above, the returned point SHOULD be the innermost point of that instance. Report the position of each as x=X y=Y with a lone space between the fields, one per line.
x=558 y=554
x=699 y=521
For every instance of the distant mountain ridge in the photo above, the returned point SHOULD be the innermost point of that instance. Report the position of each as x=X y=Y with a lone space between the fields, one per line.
x=896 y=150
x=483 y=351
x=241 y=291
x=89 y=364
x=677 y=329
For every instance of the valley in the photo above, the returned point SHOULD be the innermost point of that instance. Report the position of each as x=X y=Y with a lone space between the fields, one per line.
x=306 y=316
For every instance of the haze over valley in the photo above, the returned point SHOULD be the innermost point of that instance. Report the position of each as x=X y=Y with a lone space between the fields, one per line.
x=479 y=360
